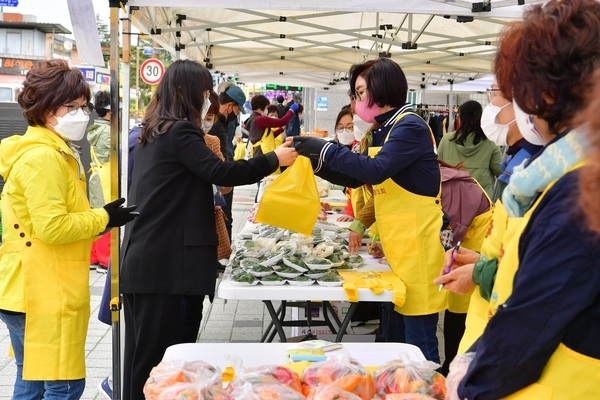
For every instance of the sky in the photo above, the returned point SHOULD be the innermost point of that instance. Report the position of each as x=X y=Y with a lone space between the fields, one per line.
x=57 y=11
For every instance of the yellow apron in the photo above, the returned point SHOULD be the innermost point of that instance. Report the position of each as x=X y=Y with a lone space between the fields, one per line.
x=568 y=374
x=477 y=315
x=361 y=195
x=267 y=145
x=57 y=300
x=409 y=230
x=473 y=240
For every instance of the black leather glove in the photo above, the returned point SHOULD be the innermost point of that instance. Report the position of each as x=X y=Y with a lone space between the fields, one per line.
x=309 y=146
x=117 y=215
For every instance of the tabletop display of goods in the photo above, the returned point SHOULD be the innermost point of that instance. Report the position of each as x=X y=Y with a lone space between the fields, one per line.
x=339 y=377
x=273 y=256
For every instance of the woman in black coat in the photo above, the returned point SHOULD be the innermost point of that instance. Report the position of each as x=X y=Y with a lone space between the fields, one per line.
x=169 y=255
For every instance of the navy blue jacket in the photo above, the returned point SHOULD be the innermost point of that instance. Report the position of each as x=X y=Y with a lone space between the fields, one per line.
x=556 y=298
x=407 y=157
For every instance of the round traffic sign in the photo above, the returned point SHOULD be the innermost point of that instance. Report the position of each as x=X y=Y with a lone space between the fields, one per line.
x=152 y=71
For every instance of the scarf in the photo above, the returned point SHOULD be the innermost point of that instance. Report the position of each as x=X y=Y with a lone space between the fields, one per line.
x=527 y=182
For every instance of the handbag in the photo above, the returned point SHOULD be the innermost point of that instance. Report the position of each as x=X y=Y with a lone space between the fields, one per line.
x=224 y=247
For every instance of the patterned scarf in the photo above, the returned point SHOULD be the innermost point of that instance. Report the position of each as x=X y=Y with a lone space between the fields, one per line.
x=526 y=183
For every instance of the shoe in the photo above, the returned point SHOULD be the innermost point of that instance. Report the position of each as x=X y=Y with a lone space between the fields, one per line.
x=93 y=266
x=105 y=388
x=101 y=269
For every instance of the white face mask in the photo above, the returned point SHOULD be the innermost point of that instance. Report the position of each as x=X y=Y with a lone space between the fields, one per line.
x=205 y=107
x=494 y=131
x=527 y=126
x=345 y=136
x=360 y=127
x=71 y=127
x=206 y=126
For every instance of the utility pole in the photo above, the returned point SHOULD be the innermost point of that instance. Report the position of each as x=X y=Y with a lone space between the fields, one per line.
x=137 y=81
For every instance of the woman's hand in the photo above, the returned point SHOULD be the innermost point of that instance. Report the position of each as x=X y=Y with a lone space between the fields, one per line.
x=375 y=250
x=354 y=242
x=458 y=280
x=345 y=218
x=286 y=154
x=461 y=257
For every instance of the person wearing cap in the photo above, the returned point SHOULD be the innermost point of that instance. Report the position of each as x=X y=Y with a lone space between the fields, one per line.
x=260 y=126
x=98 y=135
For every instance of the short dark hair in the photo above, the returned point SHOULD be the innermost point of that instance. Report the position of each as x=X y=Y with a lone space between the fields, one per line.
x=49 y=85
x=101 y=101
x=179 y=96
x=385 y=79
x=225 y=99
x=280 y=99
x=272 y=108
x=259 y=102
x=470 y=123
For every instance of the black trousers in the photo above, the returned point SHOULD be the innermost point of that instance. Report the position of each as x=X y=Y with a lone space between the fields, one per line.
x=454 y=328
x=154 y=322
x=227 y=210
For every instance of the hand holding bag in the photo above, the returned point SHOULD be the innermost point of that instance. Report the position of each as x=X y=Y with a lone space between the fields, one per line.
x=292 y=200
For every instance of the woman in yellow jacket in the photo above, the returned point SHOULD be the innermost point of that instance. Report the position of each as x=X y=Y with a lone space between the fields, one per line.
x=48 y=228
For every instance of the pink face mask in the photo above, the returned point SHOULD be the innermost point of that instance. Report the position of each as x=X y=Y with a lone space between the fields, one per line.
x=365 y=112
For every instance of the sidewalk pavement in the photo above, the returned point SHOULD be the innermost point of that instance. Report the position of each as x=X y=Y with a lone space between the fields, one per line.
x=226 y=321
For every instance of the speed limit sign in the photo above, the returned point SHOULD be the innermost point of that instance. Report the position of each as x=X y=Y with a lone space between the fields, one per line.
x=152 y=71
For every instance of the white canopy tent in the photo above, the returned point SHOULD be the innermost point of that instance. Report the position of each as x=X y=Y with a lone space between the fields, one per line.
x=314 y=42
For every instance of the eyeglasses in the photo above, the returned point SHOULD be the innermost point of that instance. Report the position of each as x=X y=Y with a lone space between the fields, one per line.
x=492 y=92
x=72 y=108
x=359 y=95
x=349 y=127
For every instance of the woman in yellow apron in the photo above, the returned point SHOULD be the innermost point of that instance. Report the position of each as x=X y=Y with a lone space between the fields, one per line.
x=48 y=228
x=542 y=339
x=402 y=167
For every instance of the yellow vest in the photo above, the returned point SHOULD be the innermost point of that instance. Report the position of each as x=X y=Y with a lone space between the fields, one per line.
x=477 y=314
x=409 y=230
x=267 y=144
x=568 y=374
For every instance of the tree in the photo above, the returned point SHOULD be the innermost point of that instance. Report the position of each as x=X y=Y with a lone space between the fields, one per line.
x=104 y=34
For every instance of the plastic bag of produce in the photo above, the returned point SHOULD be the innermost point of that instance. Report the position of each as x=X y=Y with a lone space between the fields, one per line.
x=406 y=376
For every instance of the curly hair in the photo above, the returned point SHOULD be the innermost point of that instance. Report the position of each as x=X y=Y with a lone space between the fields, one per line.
x=546 y=61
x=49 y=85
x=259 y=102
x=590 y=175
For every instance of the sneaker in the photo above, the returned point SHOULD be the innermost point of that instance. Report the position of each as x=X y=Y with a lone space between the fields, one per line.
x=93 y=266
x=101 y=269
x=105 y=388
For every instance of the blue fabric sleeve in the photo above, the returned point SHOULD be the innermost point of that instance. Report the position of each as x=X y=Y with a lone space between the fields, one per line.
x=557 y=284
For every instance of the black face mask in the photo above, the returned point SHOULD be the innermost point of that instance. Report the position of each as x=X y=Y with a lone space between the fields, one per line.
x=231 y=117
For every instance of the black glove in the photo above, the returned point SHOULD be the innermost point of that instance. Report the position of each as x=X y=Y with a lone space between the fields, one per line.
x=309 y=146
x=117 y=215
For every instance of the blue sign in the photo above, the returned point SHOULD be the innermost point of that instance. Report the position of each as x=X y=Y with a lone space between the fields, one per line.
x=9 y=3
x=147 y=51
x=88 y=73
x=322 y=103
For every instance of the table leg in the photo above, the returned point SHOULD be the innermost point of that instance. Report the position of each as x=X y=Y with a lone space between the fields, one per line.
x=275 y=319
x=328 y=307
x=270 y=331
x=346 y=322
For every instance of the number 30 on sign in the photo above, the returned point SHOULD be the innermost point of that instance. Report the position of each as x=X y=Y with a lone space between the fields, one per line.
x=152 y=71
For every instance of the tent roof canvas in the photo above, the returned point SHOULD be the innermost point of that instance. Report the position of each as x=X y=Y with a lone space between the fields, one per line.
x=314 y=42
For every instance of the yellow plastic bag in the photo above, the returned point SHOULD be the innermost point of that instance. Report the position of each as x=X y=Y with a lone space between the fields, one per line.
x=292 y=200
x=240 y=151
x=99 y=173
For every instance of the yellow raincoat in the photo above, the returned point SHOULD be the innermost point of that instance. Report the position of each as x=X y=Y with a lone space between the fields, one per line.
x=48 y=228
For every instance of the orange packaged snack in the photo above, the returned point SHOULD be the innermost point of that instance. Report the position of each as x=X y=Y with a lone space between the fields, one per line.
x=341 y=371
